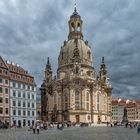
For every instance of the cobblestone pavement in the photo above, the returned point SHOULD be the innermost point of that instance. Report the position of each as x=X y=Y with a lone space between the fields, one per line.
x=73 y=133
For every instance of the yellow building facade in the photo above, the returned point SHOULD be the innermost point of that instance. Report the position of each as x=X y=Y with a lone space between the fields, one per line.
x=76 y=94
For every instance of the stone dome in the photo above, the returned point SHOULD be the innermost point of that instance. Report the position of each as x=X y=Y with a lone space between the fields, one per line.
x=66 y=55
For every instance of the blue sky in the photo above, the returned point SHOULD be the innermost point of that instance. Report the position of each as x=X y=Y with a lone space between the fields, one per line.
x=32 y=30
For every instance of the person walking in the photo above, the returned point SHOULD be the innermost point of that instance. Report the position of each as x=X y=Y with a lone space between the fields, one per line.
x=38 y=127
x=138 y=129
x=34 y=127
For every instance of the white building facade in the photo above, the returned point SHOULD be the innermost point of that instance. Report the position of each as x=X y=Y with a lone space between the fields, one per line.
x=22 y=97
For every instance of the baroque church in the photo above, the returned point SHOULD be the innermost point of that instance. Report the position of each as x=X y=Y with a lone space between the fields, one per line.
x=76 y=94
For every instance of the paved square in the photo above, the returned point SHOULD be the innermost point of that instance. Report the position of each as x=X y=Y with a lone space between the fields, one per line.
x=73 y=133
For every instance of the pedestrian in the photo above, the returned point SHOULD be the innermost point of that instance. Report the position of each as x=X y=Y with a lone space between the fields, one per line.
x=34 y=127
x=107 y=124
x=38 y=127
x=138 y=129
x=58 y=126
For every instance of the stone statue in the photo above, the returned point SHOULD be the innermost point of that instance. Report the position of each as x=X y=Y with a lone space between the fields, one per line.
x=125 y=117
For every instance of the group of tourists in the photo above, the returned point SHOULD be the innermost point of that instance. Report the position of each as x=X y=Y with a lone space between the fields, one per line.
x=36 y=127
x=126 y=125
x=133 y=125
x=4 y=125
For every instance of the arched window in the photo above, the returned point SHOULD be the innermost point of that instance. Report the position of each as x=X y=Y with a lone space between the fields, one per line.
x=87 y=96
x=72 y=26
x=98 y=99
x=78 y=26
x=66 y=98
x=77 y=100
x=77 y=95
x=77 y=70
x=55 y=99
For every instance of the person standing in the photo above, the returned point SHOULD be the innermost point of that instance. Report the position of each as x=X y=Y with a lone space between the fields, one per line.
x=138 y=129
x=34 y=127
x=38 y=127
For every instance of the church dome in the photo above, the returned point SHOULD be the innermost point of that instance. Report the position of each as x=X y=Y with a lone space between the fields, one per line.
x=67 y=52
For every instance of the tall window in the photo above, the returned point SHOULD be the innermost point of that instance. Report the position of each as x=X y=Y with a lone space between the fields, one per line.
x=32 y=88
x=55 y=99
x=6 y=72
x=28 y=96
x=23 y=86
x=14 y=84
x=98 y=99
x=28 y=104
x=24 y=105
x=0 y=79
x=87 y=96
x=14 y=93
x=66 y=98
x=33 y=105
x=19 y=112
x=66 y=106
x=28 y=113
x=1 y=99
x=19 y=103
x=87 y=104
x=33 y=96
x=72 y=25
x=14 y=103
x=28 y=87
x=19 y=94
x=87 y=100
x=23 y=95
x=1 y=110
x=19 y=86
x=33 y=113
x=1 y=90
x=6 y=100
x=77 y=100
x=14 y=112
x=6 y=90
x=77 y=95
x=6 y=110
x=24 y=113
x=78 y=27
x=6 y=81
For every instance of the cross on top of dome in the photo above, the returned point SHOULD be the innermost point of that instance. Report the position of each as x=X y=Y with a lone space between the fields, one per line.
x=75 y=13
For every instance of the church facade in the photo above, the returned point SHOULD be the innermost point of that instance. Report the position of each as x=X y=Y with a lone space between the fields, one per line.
x=76 y=94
